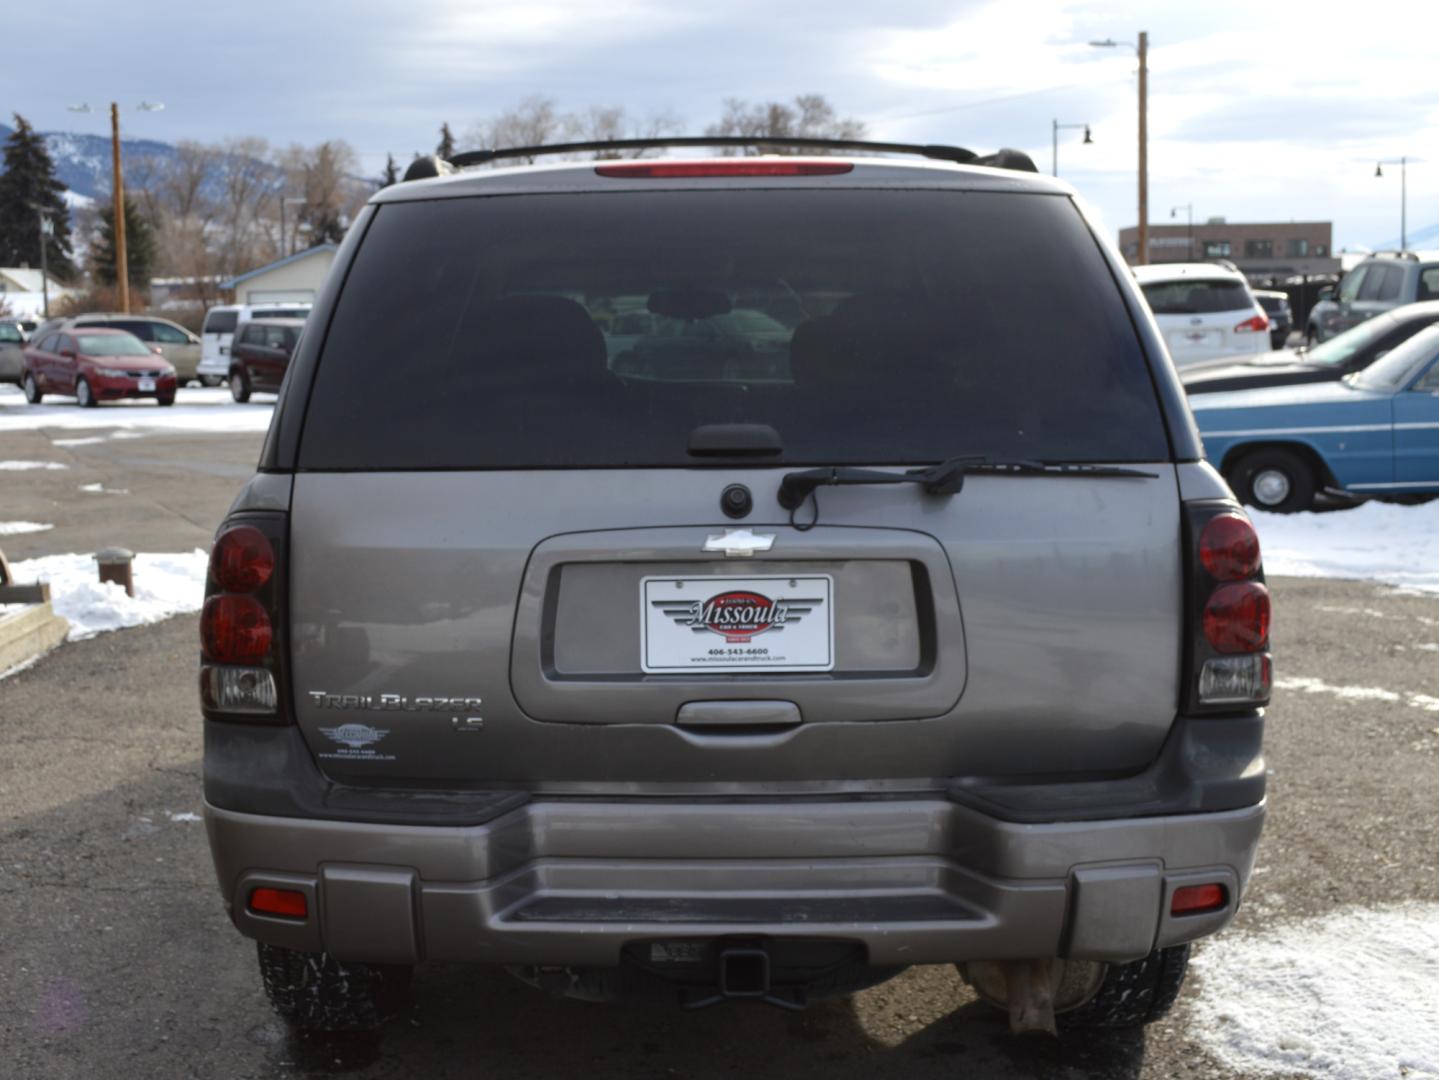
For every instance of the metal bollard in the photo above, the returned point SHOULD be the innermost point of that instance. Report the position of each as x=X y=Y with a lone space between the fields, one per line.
x=117 y=565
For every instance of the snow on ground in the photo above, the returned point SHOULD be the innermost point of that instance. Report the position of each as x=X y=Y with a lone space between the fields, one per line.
x=1398 y=545
x=26 y=466
x=165 y=585
x=14 y=528
x=195 y=410
x=1349 y=996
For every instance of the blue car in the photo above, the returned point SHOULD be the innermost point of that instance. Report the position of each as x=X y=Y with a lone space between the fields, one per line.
x=1374 y=433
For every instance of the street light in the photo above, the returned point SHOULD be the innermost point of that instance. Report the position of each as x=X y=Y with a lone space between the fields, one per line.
x=1403 y=163
x=1188 y=209
x=1057 y=127
x=122 y=260
x=1142 y=51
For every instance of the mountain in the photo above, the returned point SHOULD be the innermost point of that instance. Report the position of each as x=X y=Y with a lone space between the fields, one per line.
x=1419 y=239
x=82 y=162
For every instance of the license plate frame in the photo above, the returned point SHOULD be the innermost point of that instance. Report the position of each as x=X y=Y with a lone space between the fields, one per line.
x=728 y=625
x=147 y=385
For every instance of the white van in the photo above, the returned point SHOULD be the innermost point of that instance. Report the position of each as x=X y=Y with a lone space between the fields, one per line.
x=219 y=329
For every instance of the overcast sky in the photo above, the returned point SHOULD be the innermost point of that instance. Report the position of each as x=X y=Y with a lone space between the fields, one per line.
x=1258 y=111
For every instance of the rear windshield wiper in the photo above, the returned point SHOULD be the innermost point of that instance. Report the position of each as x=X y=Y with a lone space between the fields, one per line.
x=945 y=478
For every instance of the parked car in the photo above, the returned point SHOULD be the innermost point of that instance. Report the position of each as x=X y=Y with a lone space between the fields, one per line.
x=12 y=352
x=940 y=644
x=179 y=347
x=1383 y=281
x=1281 y=319
x=260 y=353
x=1204 y=310
x=1352 y=350
x=218 y=331
x=95 y=364
x=1375 y=432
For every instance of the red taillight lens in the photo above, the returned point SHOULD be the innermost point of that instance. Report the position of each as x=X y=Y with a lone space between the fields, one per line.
x=663 y=169
x=242 y=560
x=235 y=630
x=1198 y=899
x=1249 y=326
x=1236 y=618
x=287 y=902
x=1229 y=548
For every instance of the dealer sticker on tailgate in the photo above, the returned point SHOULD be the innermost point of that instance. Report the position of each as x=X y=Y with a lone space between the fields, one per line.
x=736 y=624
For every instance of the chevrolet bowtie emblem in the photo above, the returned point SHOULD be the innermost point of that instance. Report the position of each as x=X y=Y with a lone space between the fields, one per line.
x=739 y=543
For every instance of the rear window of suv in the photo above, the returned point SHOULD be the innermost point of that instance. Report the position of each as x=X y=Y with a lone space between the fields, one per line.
x=601 y=329
x=1202 y=297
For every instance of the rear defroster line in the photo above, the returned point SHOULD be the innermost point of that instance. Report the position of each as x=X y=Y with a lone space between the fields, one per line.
x=945 y=478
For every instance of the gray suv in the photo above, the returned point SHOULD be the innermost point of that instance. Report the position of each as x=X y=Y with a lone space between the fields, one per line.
x=1380 y=283
x=685 y=654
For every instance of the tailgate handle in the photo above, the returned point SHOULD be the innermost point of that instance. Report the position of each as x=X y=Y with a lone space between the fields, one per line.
x=738 y=716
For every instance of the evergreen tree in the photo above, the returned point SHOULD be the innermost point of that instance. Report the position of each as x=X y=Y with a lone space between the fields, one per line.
x=446 y=149
x=139 y=246
x=28 y=186
x=391 y=175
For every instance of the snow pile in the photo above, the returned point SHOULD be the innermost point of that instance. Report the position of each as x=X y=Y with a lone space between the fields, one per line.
x=27 y=466
x=1398 y=545
x=1350 y=996
x=14 y=528
x=196 y=410
x=165 y=585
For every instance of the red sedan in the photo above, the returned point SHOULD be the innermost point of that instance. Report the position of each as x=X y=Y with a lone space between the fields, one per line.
x=94 y=366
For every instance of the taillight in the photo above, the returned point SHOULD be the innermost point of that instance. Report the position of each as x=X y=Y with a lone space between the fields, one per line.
x=242 y=559
x=1254 y=325
x=235 y=630
x=241 y=624
x=1228 y=612
x=1236 y=618
x=1229 y=548
x=655 y=170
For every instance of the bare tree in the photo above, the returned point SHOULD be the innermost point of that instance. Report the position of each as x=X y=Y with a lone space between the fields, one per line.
x=604 y=123
x=811 y=116
x=533 y=122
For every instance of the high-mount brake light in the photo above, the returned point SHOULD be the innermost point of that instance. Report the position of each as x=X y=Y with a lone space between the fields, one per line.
x=1236 y=618
x=242 y=559
x=662 y=170
x=1253 y=326
x=1229 y=548
x=235 y=630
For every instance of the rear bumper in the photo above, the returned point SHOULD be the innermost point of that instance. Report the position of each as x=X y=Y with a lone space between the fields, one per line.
x=562 y=882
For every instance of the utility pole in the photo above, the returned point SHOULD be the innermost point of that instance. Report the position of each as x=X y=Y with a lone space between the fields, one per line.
x=122 y=261
x=46 y=228
x=1143 y=148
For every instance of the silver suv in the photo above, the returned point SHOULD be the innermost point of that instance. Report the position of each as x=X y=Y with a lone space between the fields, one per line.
x=1380 y=283
x=685 y=652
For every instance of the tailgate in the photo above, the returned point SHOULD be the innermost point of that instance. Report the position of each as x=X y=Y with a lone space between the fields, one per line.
x=1027 y=624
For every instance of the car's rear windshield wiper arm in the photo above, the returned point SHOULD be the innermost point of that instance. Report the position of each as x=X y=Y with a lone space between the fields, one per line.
x=945 y=478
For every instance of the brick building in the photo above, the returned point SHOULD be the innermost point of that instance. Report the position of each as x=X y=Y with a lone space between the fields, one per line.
x=1259 y=249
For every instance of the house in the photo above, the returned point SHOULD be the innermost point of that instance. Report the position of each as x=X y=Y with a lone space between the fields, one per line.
x=294 y=278
x=22 y=291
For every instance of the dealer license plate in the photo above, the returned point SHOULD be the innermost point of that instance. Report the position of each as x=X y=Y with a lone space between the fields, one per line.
x=147 y=384
x=737 y=624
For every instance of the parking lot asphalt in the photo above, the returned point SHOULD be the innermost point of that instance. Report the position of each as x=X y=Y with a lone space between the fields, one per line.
x=118 y=959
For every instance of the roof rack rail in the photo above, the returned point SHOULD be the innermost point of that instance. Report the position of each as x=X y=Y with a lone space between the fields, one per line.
x=425 y=167
x=1404 y=254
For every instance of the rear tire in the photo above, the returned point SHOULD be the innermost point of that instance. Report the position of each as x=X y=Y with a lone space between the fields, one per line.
x=33 y=394
x=314 y=992
x=84 y=396
x=239 y=386
x=1279 y=481
x=1132 y=994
